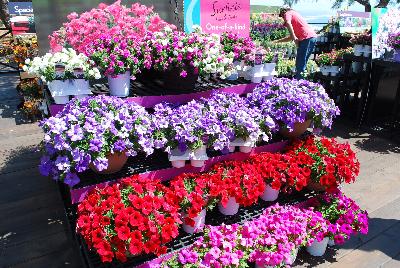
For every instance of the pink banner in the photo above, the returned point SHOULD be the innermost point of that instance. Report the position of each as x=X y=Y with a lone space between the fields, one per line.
x=151 y=101
x=218 y=16
x=77 y=195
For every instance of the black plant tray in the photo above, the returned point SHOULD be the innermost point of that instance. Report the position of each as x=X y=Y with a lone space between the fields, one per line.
x=91 y=258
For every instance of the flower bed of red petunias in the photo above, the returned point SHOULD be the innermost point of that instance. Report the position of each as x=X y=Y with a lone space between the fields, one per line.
x=129 y=218
x=331 y=163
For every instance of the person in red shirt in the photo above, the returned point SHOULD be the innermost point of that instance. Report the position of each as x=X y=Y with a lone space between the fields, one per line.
x=302 y=34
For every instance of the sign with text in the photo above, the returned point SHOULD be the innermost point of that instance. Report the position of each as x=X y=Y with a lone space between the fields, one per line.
x=354 y=22
x=218 y=16
x=21 y=18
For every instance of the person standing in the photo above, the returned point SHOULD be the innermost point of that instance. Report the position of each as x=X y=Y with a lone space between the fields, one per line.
x=302 y=34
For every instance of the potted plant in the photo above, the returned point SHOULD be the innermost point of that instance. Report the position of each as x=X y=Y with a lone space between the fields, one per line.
x=331 y=163
x=130 y=218
x=294 y=104
x=394 y=43
x=119 y=59
x=243 y=125
x=324 y=61
x=240 y=47
x=66 y=73
x=344 y=216
x=317 y=228
x=192 y=191
x=95 y=132
x=233 y=184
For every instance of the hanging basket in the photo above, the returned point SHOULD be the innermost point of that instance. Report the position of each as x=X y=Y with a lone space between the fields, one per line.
x=317 y=248
x=269 y=194
x=232 y=207
x=298 y=129
x=199 y=222
x=120 y=84
x=116 y=162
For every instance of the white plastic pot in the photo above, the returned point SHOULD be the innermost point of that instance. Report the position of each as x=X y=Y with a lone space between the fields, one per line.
x=199 y=222
x=334 y=70
x=324 y=70
x=60 y=88
x=268 y=77
x=61 y=99
x=331 y=242
x=257 y=78
x=232 y=207
x=257 y=69
x=245 y=146
x=269 y=68
x=367 y=50
x=81 y=87
x=318 y=249
x=178 y=163
x=358 y=50
x=178 y=158
x=293 y=257
x=269 y=194
x=198 y=156
x=120 y=84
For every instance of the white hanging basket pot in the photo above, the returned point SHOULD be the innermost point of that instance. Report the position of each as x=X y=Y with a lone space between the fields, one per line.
x=318 y=249
x=269 y=194
x=198 y=156
x=358 y=50
x=293 y=257
x=257 y=78
x=178 y=158
x=120 y=84
x=232 y=207
x=331 y=242
x=199 y=222
x=257 y=69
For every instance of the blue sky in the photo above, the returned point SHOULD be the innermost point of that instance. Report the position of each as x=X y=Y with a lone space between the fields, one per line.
x=312 y=10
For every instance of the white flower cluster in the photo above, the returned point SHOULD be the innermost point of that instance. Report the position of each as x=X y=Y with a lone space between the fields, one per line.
x=45 y=66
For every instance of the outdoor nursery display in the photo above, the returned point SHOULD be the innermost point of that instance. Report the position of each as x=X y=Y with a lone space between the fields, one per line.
x=230 y=176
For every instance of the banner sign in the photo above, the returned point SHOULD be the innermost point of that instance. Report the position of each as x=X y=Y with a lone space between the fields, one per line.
x=218 y=16
x=21 y=18
x=354 y=22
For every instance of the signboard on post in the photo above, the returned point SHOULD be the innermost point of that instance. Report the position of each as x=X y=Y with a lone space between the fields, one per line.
x=21 y=18
x=218 y=16
x=354 y=22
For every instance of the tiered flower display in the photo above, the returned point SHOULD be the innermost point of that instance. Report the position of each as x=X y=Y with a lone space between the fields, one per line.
x=344 y=216
x=87 y=131
x=113 y=20
x=129 y=218
x=290 y=101
x=331 y=163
